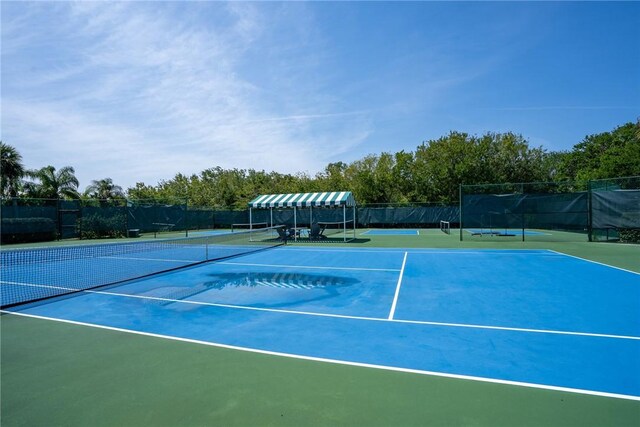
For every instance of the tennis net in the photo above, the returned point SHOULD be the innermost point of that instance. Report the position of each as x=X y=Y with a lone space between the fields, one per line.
x=29 y=275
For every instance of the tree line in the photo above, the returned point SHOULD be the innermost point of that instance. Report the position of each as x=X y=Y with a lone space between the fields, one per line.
x=430 y=174
x=47 y=182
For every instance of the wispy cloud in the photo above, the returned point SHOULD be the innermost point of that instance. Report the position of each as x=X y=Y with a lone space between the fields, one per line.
x=564 y=107
x=310 y=116
x=136 y=93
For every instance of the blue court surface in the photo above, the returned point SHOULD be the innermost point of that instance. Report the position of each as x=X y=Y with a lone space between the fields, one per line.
x=535 y=318
x=392 y=232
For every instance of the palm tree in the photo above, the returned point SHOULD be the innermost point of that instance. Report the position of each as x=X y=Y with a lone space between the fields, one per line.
x=12 y=170
x=53 y=185
x=104 y=189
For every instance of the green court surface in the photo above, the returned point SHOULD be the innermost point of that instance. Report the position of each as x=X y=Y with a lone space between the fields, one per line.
x=58 y=374
x=55 y=374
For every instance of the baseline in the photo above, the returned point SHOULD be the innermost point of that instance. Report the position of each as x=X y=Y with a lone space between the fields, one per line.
x=336 y=361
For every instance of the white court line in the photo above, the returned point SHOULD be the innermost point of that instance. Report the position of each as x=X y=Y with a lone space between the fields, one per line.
x=339 y=362
x=395 y=297
x=34 y=285
x=307 y=266
x=507 y=328
x=594 y=262
x=341 y=316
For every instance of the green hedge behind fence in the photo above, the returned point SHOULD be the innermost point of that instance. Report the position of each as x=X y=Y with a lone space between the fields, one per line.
x=26 y=230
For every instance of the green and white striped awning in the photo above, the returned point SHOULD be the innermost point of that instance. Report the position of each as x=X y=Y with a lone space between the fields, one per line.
x=303 y=200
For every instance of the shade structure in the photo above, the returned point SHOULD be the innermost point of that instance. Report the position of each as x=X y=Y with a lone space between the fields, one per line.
x=327 y=199
x=304 y=200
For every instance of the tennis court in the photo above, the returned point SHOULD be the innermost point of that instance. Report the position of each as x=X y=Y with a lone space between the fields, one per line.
x=532 y=318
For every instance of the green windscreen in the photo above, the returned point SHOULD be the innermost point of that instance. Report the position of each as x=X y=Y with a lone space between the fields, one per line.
x=533 y=211
x=602 y=210
x=615 y=207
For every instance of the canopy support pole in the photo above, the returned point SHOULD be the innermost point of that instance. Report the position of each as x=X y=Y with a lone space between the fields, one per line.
x=344 y=223
x=354 y=222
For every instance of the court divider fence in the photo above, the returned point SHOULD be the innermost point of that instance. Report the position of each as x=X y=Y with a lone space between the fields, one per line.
x=615 y=209
x=603 y=210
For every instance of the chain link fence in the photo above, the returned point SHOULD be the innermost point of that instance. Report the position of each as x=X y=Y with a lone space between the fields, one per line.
x=604 y=210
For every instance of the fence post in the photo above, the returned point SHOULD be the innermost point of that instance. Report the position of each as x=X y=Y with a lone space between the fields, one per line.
x=460 y=198
x=522 y=218
x=589 y=211
x=59 y=219
x=186 y=217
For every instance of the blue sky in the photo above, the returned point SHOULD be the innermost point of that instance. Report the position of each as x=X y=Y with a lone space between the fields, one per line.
x=140 y=91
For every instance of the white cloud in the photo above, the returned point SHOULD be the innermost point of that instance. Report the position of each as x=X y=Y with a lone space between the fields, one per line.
x=136 y=93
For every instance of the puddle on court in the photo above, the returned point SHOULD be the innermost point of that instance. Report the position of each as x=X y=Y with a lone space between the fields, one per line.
x=279 y=280
x=260 y=289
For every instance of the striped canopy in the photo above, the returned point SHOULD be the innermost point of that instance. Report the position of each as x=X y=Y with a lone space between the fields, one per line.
x=303 y=200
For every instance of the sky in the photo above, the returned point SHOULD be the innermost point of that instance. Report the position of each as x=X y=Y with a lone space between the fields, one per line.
x=141 y=91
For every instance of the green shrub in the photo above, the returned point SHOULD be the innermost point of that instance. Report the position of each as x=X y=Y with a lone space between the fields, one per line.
x=629 y=235
x=97 y=226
